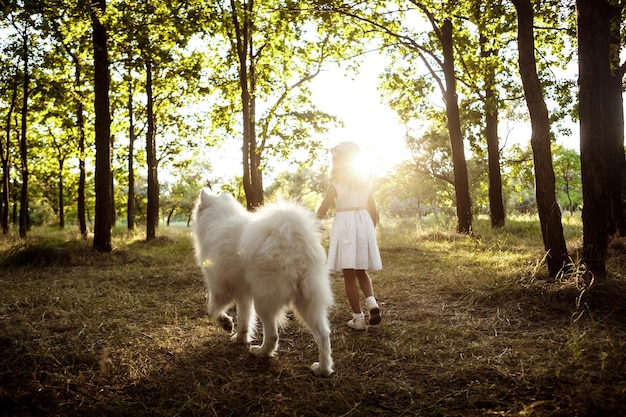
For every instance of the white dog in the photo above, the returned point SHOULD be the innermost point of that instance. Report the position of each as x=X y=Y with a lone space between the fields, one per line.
x=263 y=262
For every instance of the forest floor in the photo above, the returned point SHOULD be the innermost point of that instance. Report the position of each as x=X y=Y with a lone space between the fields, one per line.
x=471 y=327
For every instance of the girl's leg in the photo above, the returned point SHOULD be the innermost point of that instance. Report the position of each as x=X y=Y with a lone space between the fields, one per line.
x=352 y=291
x=365 y=282
x=366 y=285
x=349 y=277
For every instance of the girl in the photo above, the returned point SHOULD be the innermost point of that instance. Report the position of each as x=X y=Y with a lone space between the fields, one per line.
x=353 y=248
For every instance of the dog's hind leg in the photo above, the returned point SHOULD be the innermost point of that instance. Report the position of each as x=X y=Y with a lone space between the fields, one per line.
x=314 y=317
x=217 y=311
x=245 y=321
x=270 y=334
x=324 y=366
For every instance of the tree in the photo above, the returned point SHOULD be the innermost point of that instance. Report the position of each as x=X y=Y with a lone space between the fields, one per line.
x=24 y=220
x=61 y=152
x=152 y=215
x=493 y=149
x=127 y=43
x=243 y=31
x=601 y=127
x=273 y=50
x=432 y=164
x=103 y=179
x=304 y=186
x=182 y=190
x=567 y=172
x=438 y=56
x=547 y=207
x=130 y=199
x=461 y=180
x=486 y=15
x=157 y=57
x=5 y=151
x=520 y=179
x=70 y=41
x=60 y=113
x=615 y=157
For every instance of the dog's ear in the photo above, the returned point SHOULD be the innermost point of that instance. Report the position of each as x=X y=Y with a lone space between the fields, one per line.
x=225 y=195
x=206 y=199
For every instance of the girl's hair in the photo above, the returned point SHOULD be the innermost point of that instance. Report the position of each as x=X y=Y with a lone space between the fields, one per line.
x=344 y=170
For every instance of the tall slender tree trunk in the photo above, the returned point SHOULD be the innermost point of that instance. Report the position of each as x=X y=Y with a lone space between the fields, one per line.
x=549 y=211
x=614 y=121
x=5 y=154
x=597 y=132
x=461 y=181
x=24 y=215
x=252 y=175
x=254 y=153
x=61 y=195
x=16 y=197
x=80 y=127
x=496 y=205
x=152 y=214
x=130 y=203
x=80 y=124
x=102 y=226
x=112 y=178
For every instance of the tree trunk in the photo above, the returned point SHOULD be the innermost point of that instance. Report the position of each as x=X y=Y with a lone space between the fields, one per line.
x=80 y=124
x=102 y=227
x=614 y=121
x=252 y=175
x=24 y=215
x=130 y=203
x=570 y=205
x=14 y=216
x=496 y=205
x=461 y=181
x=549 y=212
x=152 y=211
x=171 y=213
x=5 y=155
x=594 y=38
x=112 y=188
x=61 y=195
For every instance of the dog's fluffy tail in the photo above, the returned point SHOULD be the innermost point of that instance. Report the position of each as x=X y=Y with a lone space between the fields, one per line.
x=286 y=237
x=282 y=232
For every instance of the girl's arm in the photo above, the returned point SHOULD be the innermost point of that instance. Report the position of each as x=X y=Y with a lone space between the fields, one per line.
x=328 y=201
x=371 y=208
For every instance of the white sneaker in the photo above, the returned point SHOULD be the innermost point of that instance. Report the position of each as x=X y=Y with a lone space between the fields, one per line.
x=374 y=310
x=357 y=323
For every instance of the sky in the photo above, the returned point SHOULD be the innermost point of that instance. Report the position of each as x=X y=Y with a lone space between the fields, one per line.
x=354 y=98
x=367 y=122
x=376 y=128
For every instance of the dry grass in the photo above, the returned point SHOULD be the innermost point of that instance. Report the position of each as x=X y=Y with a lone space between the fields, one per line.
x=471 y=328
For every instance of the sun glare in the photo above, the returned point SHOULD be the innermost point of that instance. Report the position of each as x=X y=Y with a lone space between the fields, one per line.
x=374 y=164
x=366 y=166
x=366 y=120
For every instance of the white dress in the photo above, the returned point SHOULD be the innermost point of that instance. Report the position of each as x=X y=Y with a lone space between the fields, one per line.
x=353 y=237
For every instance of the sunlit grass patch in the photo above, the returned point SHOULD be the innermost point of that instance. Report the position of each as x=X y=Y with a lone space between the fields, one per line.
x=469 y=328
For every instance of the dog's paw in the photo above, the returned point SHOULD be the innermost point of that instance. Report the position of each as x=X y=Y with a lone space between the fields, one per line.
x=226 y=322
x=260 y=351
x=320 y=371
x=257 y=351
x=242 y=338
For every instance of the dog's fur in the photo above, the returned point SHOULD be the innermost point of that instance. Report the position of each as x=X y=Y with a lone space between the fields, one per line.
x=263 y=262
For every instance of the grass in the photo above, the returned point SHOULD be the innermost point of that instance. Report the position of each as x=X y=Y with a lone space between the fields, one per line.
x=471 y=327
